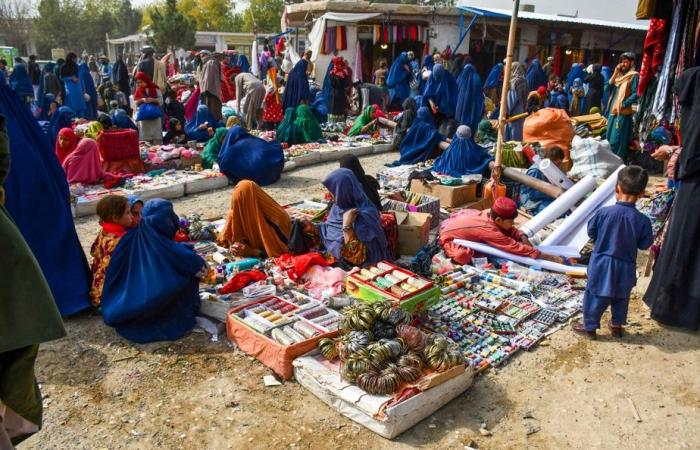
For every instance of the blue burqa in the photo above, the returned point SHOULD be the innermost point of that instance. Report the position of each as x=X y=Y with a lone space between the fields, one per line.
x=327 y=83
x=575 y=72
x=192 y=128
x=89 y=88
x=463 y=156
x=40 y=91
x=535 y=75
x=495 y=77
x=348 y=194
x=151 y=292
x=62 y=118
x=421 y=139
x=247 y=157
x=20 y=81
x=606 y=88
x=399 y=79
x=122 y=121
x=442 y=90
x=297 y=87
x=470 y=99
x=428 y=64
x=319 y=104
x=37 y=198
x=74 y=96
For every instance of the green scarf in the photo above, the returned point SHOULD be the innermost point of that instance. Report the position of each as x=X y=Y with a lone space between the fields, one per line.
x=288 y=131
x=308 y=124
x=210 y=154
x=363 y=119
x=486 y=133
x=94 y=128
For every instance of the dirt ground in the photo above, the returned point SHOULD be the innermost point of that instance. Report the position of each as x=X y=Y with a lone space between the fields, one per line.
x=101 y=391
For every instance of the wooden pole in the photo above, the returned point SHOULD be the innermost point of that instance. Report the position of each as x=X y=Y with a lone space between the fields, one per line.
x=497 y=170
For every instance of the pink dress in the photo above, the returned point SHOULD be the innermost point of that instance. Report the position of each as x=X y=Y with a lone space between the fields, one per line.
x=84 y=164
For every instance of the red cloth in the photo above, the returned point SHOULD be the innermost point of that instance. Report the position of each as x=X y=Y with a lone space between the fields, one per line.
x=272 y=112
x=477 y=226
x=339 y=70
x=228 y=88
x=505 y=208
x=192 y=103
x=653 y=53
x=391 y=230
x=241 y=280
x=151 y=89
x=113 y=228
x=62 y=153
x=296 y=266
x=119 y=150
x=279 y=46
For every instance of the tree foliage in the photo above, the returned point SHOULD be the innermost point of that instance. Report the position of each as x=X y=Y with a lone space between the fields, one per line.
x=263 y=16
x=170 y=28
x=15 y=22
x=83 y=25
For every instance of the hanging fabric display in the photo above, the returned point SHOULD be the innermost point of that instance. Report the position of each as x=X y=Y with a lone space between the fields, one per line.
x=334 y=38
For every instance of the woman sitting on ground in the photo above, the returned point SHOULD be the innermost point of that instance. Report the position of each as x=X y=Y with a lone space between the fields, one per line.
x=84 y=165
x=308 y=124
x=210 y=155
x=151 y=288
x=370 y=185
x=352 y=232
x=288 y=131
x=463 y=156
x=122 y=121
x=421 y=141
x=366 y=123
x=176 y=134
x=410 y=109
x=202 y=125
x=116 y=216
x=66 y=142
x=256 y=225
x=246 y=157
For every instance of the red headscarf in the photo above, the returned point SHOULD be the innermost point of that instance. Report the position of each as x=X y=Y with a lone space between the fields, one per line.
x=378 y=112
x=151 y=89
x=339 y=70
x=62 y=153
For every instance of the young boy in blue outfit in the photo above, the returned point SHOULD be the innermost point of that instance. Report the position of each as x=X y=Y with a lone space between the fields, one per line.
x=618 y=231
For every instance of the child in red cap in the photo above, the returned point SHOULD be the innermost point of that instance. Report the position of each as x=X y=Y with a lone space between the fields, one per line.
x=494 y=228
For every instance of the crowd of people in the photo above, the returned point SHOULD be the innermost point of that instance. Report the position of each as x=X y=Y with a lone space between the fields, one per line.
x=439 y=110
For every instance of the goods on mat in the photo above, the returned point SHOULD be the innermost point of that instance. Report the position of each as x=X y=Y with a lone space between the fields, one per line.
x=380 y=352
x=307 y=210
x=413 y=202
x=385 y=281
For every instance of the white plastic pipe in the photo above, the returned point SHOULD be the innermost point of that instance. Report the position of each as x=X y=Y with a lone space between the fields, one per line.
x=559 y=206
x=579 y=218
x=554 y=174
x=548 y=265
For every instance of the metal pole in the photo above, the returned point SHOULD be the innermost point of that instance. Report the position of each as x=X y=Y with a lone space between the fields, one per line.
x=497 y=169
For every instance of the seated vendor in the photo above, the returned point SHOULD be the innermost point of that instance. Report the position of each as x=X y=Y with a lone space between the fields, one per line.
x=463 y=156
x=256 y=225
x=352 y=232
x=366 y=123
x=532 y=200
x=494 y=228
x=151 y=287
x=421 y=141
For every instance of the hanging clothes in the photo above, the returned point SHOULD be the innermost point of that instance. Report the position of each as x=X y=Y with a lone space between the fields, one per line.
x=470 y=98
x=246 y=157
x=463 y=156
x=257 y=221
x=151 y=289
x=653 y=53
x=421 y=140
x=41 y=202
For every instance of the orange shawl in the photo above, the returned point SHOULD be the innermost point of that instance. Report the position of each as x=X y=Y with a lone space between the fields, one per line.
x=250 y=217
x=624 y=90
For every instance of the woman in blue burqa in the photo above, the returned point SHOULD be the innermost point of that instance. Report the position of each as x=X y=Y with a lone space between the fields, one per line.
x=197 y=129
x=470 y=99
x=40 y=204
x=73 y=88
x=21 y=83
x=494 y=83
x=62 y=118
x=246 y=157
x=517 y=102
x=463 y=156
x=535 y=75
x=421 y=141
x=352 y=232
x=151 y=290
x=88 y=85
x=607 y=73
x=441 y=93
x=297 y=87
x=122 y=121
x=428 y=64
x=399 y=80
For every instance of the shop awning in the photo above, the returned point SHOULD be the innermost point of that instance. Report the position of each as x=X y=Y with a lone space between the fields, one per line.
x=316 y=34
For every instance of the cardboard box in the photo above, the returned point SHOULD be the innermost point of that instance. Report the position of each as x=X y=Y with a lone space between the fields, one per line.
x=414 y=231
x=450 y=196
x=395 y=201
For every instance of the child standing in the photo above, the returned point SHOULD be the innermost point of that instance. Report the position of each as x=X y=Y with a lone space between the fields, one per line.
x=115 y=216
x=618 y=231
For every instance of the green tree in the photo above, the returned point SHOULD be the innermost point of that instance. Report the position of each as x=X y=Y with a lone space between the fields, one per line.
x=58 y=25
x=210 y=15
x=263 y=16
x=127 y=19
x=170 y=28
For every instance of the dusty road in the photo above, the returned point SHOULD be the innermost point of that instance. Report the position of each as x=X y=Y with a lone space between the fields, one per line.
x=104 y=392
